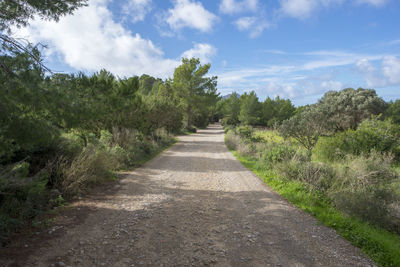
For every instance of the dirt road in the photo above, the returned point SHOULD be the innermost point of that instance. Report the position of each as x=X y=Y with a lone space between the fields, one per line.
x=194 y=204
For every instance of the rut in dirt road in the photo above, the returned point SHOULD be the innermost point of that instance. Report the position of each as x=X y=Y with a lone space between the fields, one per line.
x=194 y=204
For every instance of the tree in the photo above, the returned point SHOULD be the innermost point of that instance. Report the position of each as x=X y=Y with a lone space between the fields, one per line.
x=231 y=109
x=19 y=12
x=249 y=109
x=306 y=127
x=24 y=113
x=276 y=110
x=193 y=87
x=163 y=109
x=393 y=111
x=146 y=83
x=348 y=108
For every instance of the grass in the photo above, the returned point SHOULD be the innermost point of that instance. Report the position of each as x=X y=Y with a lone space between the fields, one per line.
x=380 y=245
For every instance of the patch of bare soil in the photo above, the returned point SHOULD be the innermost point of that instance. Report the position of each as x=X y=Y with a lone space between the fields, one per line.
x=194 y=204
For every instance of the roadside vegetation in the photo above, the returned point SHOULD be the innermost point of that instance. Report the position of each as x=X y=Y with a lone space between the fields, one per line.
x=60 y=134
x=337 y=160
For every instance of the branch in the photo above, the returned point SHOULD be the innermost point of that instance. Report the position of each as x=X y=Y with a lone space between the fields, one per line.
x=18 y=45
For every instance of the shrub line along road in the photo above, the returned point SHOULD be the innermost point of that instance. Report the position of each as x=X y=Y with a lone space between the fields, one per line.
x=194 y=204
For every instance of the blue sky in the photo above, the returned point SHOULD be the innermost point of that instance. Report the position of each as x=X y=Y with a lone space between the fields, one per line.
x=297 y=49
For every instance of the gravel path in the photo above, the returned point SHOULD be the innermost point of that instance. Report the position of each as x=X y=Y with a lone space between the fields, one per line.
x=194 y=204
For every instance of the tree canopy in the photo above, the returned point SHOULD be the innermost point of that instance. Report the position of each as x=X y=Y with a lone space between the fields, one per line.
x=349 y=107
x=195 y=90
x=19 y=12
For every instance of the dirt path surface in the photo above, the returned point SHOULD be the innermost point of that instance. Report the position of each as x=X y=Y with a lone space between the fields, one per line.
x=193 y=205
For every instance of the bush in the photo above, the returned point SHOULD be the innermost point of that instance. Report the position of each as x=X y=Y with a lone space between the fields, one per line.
x=93 y=165
x=22 y=197
x=201 y=120
x=364 y=189
x=277 y=152
x=244 y=131
x=228 y=128
x=191 y=129
x=70 y=145
x=247 y=149
x=315 y=175
x=381 y=136
x=232 y=140
x=163 y=137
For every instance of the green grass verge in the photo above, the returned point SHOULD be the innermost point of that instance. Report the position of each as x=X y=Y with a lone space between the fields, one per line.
x=380 y=245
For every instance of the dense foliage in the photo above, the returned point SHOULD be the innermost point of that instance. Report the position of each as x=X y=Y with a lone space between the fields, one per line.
x=347 y=108
x=62 y=133
x=393 y=111
x=334 y=112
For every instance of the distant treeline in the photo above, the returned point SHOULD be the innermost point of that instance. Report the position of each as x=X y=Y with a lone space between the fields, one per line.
x=247 y=109
x=340 y=110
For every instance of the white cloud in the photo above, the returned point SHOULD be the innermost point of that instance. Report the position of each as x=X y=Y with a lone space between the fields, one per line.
x=137 y=9
x=300 y=9
x=245 y=23
x=274 y=89
x=191 y=14
x=331 y=85
x=233 y=6
x=90 y=40
x=202 y=51
x=335 y=58
x=364 y=65
x=312 y=74
x=255 y=26
x=388 y=74
x=391 y=69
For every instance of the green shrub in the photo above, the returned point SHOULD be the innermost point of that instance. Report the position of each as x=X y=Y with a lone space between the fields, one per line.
x=228 y=128
x=364 y=188
x=70 y=145
x=244 y=131
x=381 y=136
x=329 y=149
x=232 y=140
x=22 y=197
x=163 y=137
x=316 y=176
x=278 y=152
x=247 y=149
x=191 y=129
x=201 y=120
x=93 y=165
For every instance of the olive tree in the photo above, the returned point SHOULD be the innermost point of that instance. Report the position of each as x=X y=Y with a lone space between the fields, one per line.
x=306 y=127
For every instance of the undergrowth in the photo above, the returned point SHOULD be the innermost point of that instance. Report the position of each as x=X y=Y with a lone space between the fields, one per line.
x=33 y=186
x=356 y=195
x=380 y=245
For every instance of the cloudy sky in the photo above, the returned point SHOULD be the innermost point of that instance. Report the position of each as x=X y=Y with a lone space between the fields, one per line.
x=296 y=49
